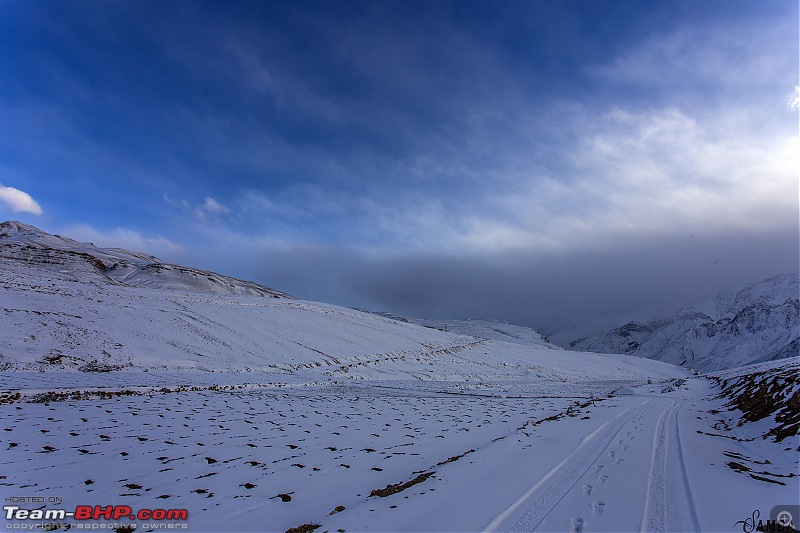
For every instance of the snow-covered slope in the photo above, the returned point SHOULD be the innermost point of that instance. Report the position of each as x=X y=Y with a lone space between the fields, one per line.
x=481 y=329
x=71 y=306
x=732 y=328
x=29 y=245
x=767 y=394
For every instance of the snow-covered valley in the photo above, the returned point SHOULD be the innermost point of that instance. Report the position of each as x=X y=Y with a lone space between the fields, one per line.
x=172 y=388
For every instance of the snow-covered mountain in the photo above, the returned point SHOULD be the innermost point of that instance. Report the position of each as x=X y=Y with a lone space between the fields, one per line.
x=27 y=244
x=733 y=328
x=72 y=306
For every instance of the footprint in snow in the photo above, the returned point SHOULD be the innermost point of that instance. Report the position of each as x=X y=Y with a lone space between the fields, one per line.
x=575 y=524
x=587 y=490
x=598 y=468
x=618 y=461
x=602 y=479
x=598 y=508
x=612 y=453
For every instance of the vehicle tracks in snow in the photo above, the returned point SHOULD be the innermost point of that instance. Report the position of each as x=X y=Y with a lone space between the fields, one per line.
x=531 y=508
x=669 y=505
x=600 y=458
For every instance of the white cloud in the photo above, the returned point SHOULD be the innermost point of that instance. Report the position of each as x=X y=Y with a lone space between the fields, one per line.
x=794 y=100
x=632 y=174
x=213 y=207
x=713 y=56
x=19 y=201
x=663 y=172
x=182 y=203
x=209 y=208
x=127 y=239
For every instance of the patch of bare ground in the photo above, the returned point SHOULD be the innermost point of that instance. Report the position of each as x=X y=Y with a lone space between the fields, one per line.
x=63 y=396
x=9 y=397
x=760 y=476
x=305 y=528
x=454 y=458
x=53 y=396
x=768 y=393
x=388 y=490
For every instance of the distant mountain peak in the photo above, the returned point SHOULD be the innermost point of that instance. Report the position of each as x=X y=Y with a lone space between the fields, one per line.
x=13 y=228
x=739 y=326
x=16 y=226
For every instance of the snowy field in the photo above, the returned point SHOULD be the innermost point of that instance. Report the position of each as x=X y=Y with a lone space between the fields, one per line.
x=499 y=458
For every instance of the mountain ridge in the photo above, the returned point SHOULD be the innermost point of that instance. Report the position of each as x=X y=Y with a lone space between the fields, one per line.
x=735 y=327
x=28 y=243
x=70 y=307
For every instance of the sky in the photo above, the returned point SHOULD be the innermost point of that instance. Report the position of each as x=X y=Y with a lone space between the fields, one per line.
x=538 y=162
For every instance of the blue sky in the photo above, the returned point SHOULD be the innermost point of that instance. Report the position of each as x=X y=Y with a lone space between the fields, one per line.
x=538 y=162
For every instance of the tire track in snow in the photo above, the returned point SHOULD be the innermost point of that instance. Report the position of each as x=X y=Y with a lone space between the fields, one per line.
x=669 y=505
x=532 y=507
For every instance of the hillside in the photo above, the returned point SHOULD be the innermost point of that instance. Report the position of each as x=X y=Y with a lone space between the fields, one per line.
x=72 y=306
x=31 y=246
x=481 y=329
x=736 y=327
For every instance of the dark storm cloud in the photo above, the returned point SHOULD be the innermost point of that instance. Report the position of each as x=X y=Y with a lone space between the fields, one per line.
x=547 y=291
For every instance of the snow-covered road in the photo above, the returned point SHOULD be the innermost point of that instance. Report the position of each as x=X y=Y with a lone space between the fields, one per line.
x=582 y=478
